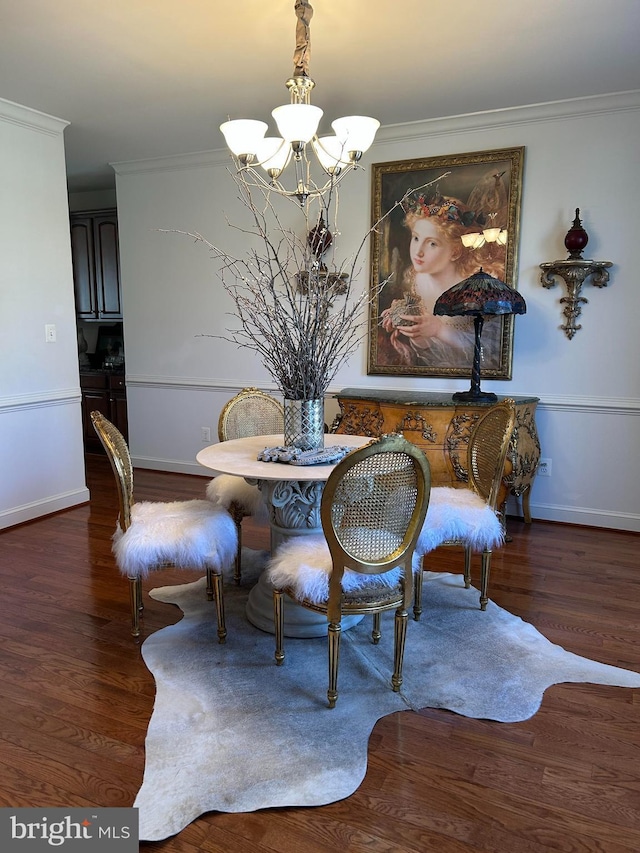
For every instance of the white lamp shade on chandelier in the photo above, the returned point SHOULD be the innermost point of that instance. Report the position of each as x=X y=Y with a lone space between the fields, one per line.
x=297 y=122
x=331 y=153
x=243 y=135
x=273 y=155
x=356 y=133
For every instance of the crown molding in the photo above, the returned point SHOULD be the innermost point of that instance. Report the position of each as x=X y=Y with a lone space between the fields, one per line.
x=511 y=116
x=175 y=163
x=33 y=119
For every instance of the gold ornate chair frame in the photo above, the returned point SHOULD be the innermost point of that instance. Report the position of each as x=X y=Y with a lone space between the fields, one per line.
x=118 y=454
x=250 y=412
x=369 y=533
x=261 y=414
x=486 y=461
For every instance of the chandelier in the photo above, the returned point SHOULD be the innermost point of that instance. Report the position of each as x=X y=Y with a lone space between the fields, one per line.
x=297 y=124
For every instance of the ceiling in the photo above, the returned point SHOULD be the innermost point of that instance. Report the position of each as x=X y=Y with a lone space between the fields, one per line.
x=146 y=78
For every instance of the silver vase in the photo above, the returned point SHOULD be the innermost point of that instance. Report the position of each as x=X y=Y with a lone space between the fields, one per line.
x=304 y=424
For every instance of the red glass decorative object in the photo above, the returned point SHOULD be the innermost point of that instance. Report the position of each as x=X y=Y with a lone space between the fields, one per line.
x=319 y=238
x=577 y=238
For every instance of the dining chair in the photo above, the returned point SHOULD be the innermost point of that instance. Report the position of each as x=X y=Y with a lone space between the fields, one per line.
x=469 y=516
x=152 y=535
x=372 y=508
x=250 y=412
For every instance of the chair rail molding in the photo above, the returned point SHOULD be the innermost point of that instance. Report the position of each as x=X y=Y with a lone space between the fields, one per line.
x=614 y=405
x=63 y=397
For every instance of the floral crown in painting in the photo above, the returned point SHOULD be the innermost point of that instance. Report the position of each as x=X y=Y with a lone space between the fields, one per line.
x=443 y=207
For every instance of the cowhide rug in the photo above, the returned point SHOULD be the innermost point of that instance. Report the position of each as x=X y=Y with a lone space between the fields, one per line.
x=232 y=732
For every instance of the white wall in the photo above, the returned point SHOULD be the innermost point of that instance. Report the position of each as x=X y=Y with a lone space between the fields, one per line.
x=92 y=200
x=579 y=153
x=41 y=452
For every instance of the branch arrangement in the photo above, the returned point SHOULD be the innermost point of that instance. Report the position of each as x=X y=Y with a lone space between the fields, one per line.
x=304 y=334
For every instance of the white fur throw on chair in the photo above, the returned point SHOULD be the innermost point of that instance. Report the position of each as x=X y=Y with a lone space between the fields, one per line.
x=190 y=534
x=227 y=488
x=458 y=514
x=303 y=564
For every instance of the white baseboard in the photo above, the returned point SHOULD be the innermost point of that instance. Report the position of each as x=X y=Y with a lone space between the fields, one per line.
x=579 y=515
x=47 y=506
x=175 y=466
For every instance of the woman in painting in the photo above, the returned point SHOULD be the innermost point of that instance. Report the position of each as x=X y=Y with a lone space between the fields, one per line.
x=410 y=334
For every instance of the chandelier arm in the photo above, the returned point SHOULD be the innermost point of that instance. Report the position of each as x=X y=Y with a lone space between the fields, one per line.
x=310 y=191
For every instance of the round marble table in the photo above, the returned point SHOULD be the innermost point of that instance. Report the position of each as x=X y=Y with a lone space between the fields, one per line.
x=292 y=494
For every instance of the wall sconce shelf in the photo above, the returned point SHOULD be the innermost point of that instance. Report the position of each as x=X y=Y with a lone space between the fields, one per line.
x=574 y=271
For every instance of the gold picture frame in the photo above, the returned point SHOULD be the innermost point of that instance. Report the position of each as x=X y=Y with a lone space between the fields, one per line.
x=466 y=193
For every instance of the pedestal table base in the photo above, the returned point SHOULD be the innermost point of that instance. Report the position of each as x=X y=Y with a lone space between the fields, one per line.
x=294 y=510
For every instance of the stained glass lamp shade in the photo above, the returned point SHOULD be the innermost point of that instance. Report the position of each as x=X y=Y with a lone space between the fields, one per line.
x=478 y=296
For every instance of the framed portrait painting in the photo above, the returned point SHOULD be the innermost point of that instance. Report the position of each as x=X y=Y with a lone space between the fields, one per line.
x=421 y=210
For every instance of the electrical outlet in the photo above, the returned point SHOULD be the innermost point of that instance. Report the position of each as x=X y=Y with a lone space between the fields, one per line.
x=544 y=468
x=206 y=434
x=50 y=333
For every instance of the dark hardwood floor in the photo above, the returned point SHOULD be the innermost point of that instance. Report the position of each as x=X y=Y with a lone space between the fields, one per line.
x=77 y=697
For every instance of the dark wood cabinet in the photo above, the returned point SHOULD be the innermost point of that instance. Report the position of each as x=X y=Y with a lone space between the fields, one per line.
x=106 y=393
x=96 y=265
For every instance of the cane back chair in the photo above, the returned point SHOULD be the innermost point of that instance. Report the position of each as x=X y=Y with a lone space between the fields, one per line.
x=152 y=535
x=469 y=517
x=372 y=509
x=250 y=412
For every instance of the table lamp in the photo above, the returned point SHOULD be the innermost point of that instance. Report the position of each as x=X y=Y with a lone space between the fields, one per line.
x=478 y=296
